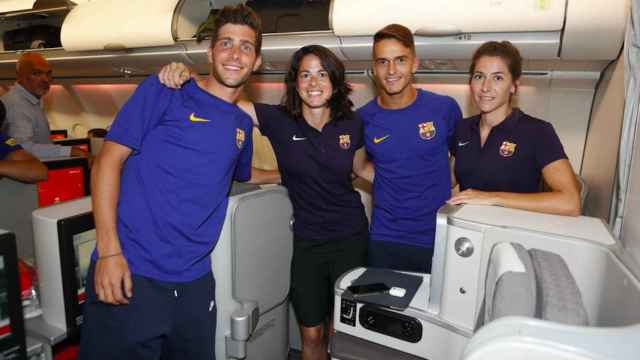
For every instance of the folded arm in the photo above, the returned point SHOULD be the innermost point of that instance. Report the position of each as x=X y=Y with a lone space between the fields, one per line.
x=563 y=199
x=22 y=166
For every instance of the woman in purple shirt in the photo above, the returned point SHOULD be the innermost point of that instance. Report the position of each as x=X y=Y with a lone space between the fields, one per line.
x=502 y=154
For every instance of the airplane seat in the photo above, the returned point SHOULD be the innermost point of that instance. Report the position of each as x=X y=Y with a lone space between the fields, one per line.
x=502 y=277
x=532 y=283
x=512 y=337
x=251 y=265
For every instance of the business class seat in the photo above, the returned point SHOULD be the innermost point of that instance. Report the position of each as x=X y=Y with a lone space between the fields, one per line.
x=251 y=266
x=506 y=284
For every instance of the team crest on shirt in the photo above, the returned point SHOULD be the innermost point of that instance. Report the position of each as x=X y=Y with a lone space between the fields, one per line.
x=507 y=149
x=239 y=138
x=427 y=130
x=11 y=142
x=345 y=141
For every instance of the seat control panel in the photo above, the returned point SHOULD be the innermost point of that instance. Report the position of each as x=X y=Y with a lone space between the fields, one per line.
x=348 y=310
x=399 y=326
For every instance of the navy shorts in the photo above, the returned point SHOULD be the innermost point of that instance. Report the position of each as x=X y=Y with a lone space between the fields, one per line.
x=315 y=267
x=162 y=321
x=396 y=256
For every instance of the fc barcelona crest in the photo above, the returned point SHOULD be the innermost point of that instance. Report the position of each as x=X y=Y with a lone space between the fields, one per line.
x=507 y=149
x=345 y=141
x=427 y=130
x=239 y=138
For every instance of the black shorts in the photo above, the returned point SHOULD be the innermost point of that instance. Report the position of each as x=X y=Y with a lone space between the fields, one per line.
x=315 y=267
x=396 y=256
x=162 y=321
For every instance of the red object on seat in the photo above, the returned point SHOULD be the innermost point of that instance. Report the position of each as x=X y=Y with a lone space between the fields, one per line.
x=26 y=273
x=67 y=352
x=61 y=184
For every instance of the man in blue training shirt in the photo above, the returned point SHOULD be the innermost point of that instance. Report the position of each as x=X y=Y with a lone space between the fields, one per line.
x=159 y=199
x=408 y=133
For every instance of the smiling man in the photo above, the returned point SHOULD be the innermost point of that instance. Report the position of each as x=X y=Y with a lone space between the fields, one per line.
x=408 y=133
x=159 y=198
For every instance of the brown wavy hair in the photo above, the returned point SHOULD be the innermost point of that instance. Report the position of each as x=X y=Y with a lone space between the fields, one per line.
x=340 y=104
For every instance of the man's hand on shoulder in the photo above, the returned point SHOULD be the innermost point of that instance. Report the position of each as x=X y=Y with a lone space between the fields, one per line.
x=174 y=75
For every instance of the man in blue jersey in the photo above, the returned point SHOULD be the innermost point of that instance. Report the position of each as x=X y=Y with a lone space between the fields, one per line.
x=408 y=133
x=159 y=198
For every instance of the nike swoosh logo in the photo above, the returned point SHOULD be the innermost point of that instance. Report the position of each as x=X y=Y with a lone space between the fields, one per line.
x=194 y=118
x=463 y=143
x=296 y=138
x=377 y=140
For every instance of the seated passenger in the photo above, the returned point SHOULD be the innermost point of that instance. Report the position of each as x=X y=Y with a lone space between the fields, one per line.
x=16 y=163
x=502 y=153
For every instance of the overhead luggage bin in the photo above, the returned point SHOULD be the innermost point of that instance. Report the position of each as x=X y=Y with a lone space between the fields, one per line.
x=16 y=5
x=446 y=17
x=125 y=24
x=453 y=29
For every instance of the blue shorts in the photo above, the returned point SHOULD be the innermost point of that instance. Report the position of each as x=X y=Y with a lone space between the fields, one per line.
x=396 y=256
x=162 y=320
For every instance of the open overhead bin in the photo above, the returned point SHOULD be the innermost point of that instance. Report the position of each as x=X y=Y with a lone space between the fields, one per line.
x=126 y=24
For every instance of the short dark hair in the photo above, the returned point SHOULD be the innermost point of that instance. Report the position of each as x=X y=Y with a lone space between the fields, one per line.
x=505 y=50
x=340 y=104
x=396 y=32
x=239 y=15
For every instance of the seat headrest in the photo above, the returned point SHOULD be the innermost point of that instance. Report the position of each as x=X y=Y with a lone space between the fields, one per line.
x=531 y=283
x=510 y=285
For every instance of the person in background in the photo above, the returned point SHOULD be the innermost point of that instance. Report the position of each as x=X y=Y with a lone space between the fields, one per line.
x=26 y=119
x=16 y=163
x=408 y=133
x=160 y=189
x=317 y=139
x=502 y=154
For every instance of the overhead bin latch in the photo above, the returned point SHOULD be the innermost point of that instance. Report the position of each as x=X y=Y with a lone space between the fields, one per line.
x=243 y=322
x=438 y=30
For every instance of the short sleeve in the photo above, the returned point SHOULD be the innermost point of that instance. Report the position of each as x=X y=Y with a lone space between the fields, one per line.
x=7 y=145
x=358 y=131
x=454 y=117
x=548 y=146
x=243 y=167
x=267 y=114
x=141 y=113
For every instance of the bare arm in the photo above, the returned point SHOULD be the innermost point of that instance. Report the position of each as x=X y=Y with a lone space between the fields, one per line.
x=247 y=106
x=112 y=274
x=362 y=166
x=259 y=176
x=22 y=166
x=563 y=199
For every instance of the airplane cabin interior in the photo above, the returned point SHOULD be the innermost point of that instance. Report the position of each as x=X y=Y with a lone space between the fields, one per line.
x=505 y=283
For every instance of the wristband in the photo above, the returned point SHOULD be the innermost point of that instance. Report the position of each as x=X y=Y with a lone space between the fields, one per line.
x=108 y=256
